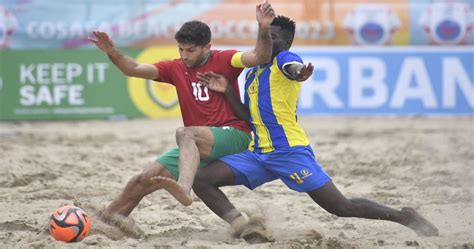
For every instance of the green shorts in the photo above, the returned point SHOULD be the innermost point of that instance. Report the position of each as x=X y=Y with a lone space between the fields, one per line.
x=227 y=141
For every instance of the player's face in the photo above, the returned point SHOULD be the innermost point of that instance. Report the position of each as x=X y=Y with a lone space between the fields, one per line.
x=278 y=40
x=193 y=55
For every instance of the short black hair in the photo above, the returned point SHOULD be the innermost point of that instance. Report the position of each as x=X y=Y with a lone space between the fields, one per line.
x=194 y=32
x=287 y=25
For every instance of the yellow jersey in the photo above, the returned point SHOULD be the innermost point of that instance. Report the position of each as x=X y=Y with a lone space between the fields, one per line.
x=271 y=96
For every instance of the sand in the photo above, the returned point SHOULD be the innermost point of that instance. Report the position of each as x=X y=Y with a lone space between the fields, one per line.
x=425 y=163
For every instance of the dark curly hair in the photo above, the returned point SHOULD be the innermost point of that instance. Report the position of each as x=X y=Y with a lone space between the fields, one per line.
x=194 y=32
x=287 y=25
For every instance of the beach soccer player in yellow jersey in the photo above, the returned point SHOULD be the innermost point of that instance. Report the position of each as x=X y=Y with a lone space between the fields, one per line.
x=212 y=129
x=280 y=148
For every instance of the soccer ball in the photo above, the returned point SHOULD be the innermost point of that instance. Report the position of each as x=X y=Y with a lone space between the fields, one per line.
x=69 y=224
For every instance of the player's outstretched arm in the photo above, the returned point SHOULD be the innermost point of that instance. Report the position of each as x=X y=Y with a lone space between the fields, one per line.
x=127 y=65
x=300 y=72
x=263 y=49
x=219 y=83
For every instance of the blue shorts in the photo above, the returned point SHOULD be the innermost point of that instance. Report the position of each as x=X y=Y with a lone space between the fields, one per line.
x=297 y=167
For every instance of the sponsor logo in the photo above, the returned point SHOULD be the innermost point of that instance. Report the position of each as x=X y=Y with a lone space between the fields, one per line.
x=448 y=30
x=372 y=32
x=253 y=88
x=305 y=173
x=154 y=99
x=299 y=178
x=163 y=95
x=447 y=22
x=371 y=24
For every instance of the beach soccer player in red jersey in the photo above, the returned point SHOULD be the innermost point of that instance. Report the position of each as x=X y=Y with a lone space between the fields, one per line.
x=211 y=129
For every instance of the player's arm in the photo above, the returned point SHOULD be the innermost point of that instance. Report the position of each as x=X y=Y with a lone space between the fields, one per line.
x=126 y=64
x=219 y=83
x=263 y=49
x=298 y=71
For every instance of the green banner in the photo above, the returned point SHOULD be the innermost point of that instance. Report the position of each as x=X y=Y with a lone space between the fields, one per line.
x=72 y=84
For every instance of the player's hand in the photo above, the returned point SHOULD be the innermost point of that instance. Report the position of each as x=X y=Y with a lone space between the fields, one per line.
x=215 y=82
x=103 y=41
x=304 y=72
x=265 y=14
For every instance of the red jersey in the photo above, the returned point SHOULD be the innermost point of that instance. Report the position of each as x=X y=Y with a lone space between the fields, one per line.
x=199 y=105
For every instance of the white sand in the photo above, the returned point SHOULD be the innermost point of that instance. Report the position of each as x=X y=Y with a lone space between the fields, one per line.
x=426 y=163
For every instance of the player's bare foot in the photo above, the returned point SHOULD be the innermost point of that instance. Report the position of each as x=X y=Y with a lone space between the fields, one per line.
x=252 y=229
x=239 y=224
x=110 y=231
x=126 y=224
x=256 y=231
x=114 y=226
x=178 y=192
x=418 y=223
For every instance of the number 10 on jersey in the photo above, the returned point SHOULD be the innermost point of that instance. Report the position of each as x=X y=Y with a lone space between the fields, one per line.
x=199 y=93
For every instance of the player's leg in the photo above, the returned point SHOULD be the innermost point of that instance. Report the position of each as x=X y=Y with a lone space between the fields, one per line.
x=238 y=169
x=307 y=175
x=204 y=144
x=136 y=188
x=333 y=201
x=206 y=186
x=195 y=143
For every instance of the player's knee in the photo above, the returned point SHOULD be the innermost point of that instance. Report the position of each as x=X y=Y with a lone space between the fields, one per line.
x=139 y=185
x=342 y=210
x=143 y=180
x=202 y=182
x=200 y=179
x=198 y=187
x=184 y=133
x=137 y=181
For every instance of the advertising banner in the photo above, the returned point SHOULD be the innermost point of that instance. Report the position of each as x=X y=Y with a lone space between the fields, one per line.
x=395 y=81
x=75 y=84
x=84 y=84
x=31 y=24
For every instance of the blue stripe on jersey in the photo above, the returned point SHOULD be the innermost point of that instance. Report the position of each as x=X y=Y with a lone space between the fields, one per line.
x=276 y=134
x=248 y=81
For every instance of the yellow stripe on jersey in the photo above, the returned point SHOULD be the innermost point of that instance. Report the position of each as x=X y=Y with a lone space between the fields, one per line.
x=284 y=97
x=260 y=128
x=236 y=60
